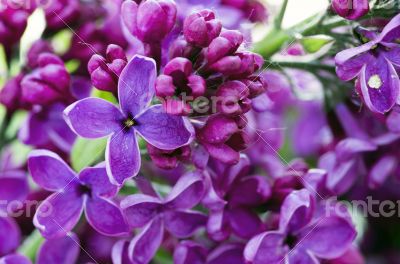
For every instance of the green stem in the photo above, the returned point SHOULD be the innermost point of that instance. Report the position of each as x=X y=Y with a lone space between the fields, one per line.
x=3 y=129
x=31 y=245
x=310 y=66
x=279 y=18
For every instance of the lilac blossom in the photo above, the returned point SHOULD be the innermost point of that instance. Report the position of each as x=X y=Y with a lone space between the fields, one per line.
x=304 y=234
x=153 y=214
x=135 y=91
x=374 y=64
x=351 y=9
x=89 y=191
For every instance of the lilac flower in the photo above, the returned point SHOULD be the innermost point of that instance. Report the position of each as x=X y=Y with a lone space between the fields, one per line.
x=201 y=28
x=179 y=79
x=15 y=259
x=90 y=191
x=168 y=159
x=60 y=13
x=38 y=47
x=304 y=234
x=374 y=63
x=105 y=72
x=94 y=118
x=11 y=94
x=351 y=9
x=151 y=20
x=153 y=214
x=188 y=251
x=49 y=83
x=63 y=250
x=232 y=195
x=13 y=22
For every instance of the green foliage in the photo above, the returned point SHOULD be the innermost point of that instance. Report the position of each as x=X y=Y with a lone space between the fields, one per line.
x=315 y=43
x=87 y=152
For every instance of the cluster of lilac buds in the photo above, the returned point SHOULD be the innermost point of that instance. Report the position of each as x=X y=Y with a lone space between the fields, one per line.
x=161 y=131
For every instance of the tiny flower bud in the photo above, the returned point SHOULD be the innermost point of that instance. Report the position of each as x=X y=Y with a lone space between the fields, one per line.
x=233 y=98
x=351 y=9
x=168 y=159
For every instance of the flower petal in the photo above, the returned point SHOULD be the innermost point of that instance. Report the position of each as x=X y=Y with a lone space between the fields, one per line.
x=49 y=171
x=13 y=187
x=231 y=253
x=136 y=86
x=381 y=170
x=187 y=192
x=144 y=246
x=111 y=222
x=183 y=224
x=329 y=237
x=253 y=190
x=10 y=235
x=139 y=209
x=64 y=250
x=98 y=181
x=93 y=118
x=15 y=259
x=266 y=248
x=296 y=211
x=301 y=256
x=119 y=253
x=189 y=252
x=122 y=157
x=244 y=222
x=59 y=213
x=163 y=130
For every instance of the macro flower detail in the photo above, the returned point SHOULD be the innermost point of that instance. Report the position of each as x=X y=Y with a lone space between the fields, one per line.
x=88 y=191
x=95 y=118
x=374 y=64
x=153 y=214
x=351 y=9
x=303 y=236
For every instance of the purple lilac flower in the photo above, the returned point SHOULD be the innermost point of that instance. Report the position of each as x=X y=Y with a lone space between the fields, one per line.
x=232 y=196
x=90 y=190
x=60 y=13
x=168 y=159
x=94 y=118
x=11 y=94
x=351 y=9
x=13 y=22
x=374 y=64
x=304 y=234
x=63 y=250
x=153 y=214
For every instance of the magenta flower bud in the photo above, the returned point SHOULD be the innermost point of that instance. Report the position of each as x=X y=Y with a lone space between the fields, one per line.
x=48 y=83
x=233 y=98
x=151 y=20
x=105 y=72
x=226 y=44
x=11 y=94
x=36 y=49
x=168 y=159
x=60 y=13
x=256 y=85
x=201 y=28
x=12 y=25
x=350 y=9
x=179 y=85
x=240 y=65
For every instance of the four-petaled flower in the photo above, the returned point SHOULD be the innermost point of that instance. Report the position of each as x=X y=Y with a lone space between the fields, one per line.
x=95 y=118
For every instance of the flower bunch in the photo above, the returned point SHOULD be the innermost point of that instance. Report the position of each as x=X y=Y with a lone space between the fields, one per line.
x=161 y=131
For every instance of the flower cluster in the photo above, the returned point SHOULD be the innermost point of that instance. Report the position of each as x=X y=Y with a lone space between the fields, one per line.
x=159 y=131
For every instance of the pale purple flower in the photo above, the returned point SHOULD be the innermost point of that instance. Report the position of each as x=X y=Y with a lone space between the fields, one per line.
x=88 y=191
x=95 y=118
x=154 y=214
x=63 y=250
x=15 y=259
x=305 y=234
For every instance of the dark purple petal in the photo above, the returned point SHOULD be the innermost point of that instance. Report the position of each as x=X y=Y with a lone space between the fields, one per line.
x=110 y=222
x=296 y=211
x=218 y=225
x=136 y=85
x=162 y=130
x=266 y=248
x=253 y=190
x=64 y=250
x=230 y=253
x=98 y=182
x=189 y=252
x=301 y=256
x=144 y=246
x=350 y=146
x=122 y=157
x=244 y=222
x=10 y=235
x=59 y=213
x=93 y=118
x=140 y=209
x=330 y=237
x=49 y=171
x=184 y=223
x=187 y=192
x=13 y=187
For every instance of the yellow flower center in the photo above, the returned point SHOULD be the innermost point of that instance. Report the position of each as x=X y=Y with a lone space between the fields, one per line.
x=375 y=82
x=129 y=123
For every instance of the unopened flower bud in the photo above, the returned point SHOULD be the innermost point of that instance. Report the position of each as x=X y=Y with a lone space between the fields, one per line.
x=350 y=9
x=168 y=159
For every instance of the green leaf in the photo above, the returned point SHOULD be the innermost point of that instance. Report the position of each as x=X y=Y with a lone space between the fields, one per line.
x=104 y=95
x=163 y=257
x=31 y=245
x=62 y=41
x=315 y=43
x=87 y=152
x=72 y=65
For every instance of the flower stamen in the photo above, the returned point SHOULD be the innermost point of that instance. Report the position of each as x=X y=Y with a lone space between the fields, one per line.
x=375 y=81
